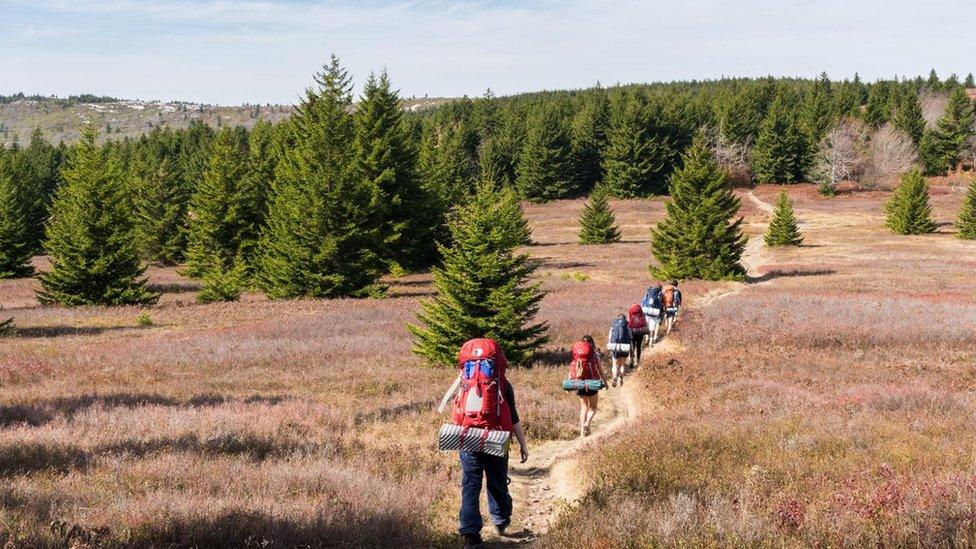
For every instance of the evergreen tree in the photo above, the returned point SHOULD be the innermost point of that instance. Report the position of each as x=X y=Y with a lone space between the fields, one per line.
x=908 y=115
x=445 y=164
x=942 y=146
x=222 y=283
x=817 y=114
x=699 y=238
x=779 y=153
x=637 y=158
x=496 y=158
x=933 y=83
x=846 y=100
x=159 y=204
x=598 y=225
x=321 y=237
x=742 y=117
x=589 y=139
x=263 y=153
x=860 y=89
x=545 y=170
x=783 y=229
x=878 y=109
x=386 y=161
x=217 y=222
x=908 y=210
x=967 y=214
x=16 y=242
x=510 y=218
x=42 y=161
x=91 y=241
x=483 y=290
x=970 y=82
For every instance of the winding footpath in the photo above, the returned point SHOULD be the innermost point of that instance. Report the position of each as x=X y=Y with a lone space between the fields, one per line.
x=548 y=482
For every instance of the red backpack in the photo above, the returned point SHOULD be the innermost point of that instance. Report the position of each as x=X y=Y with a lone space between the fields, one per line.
x=635 y=318
x=582 y=366
x=480 y=400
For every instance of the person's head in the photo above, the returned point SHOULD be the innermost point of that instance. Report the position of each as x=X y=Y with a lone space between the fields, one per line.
x=674 y=283
x=658 y=285
x=589 y=340
x=621 y=316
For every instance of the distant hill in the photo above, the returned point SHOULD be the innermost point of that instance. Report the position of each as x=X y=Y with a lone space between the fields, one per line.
x=61 y=119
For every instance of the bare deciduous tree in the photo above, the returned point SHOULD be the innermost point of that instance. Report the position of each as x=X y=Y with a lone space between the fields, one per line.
x=732 y=156
x=933 y=107
x=841 y=155
x=891 y=153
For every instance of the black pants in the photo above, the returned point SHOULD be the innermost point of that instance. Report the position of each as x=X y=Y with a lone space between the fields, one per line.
x=635 y=348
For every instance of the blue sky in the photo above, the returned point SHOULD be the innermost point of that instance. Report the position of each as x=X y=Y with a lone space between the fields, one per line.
x=257 y=51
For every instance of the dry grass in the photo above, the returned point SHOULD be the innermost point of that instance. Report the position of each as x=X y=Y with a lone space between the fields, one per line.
x=830 y=404
x=833 y=407
x=304 y=422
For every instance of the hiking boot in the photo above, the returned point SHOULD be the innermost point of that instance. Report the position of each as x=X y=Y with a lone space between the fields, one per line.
x=500 y=528
x=471 y=540
x=586 y=431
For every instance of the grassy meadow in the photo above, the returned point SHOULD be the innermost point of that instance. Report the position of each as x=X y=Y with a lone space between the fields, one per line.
x=827 y=401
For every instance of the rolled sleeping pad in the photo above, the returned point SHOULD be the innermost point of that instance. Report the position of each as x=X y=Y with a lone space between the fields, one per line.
x=651 y=311
x=578 y=384
x=618 y=347
x=494 y=443
x=672 y=310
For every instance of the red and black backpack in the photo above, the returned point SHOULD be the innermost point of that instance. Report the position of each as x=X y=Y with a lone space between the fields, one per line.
x=480 y=400
x=635 y=318
x=583 y=365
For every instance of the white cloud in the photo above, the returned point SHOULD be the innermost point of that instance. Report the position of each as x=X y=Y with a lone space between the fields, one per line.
x=234 y=51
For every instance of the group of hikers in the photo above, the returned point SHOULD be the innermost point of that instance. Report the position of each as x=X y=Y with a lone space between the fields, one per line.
x=484 y=401
x=629 y=333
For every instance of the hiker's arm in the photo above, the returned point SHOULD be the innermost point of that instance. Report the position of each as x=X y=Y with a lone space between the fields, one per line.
x=523 y=446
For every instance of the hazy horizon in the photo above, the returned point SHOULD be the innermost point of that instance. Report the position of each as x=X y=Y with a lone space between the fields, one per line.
x=231 y=52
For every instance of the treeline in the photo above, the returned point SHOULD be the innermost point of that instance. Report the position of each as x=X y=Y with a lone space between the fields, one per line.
x=328 y=201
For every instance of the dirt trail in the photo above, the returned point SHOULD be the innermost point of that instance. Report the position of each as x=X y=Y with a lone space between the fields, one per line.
x=548 y=482
x=760 y=203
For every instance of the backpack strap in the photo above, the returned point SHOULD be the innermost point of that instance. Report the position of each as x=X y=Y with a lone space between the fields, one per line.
x=449 y=393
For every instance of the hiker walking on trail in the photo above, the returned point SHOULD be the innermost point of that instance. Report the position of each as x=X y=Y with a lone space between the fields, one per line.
x=639 y=329
x=619 y=342
x=653 y=310
x=671 y=299
x=485 y=400
x=586 y=366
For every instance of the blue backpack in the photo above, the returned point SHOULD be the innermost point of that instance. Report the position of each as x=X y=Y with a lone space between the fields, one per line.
x=619 y=332
x=652 y=298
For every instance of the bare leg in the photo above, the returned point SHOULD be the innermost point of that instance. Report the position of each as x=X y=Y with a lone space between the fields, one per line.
x=591 y=413
x=584 y=406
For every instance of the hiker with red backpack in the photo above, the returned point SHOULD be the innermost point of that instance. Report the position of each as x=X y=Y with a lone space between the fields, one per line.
x=639 y=329
x=484 y=402
x=586 y=378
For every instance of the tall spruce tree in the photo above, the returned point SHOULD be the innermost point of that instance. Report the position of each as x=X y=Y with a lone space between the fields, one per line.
x=699 y=237
x=42 y=161
x=638 y=157
x=158 y=201
x=783 y=229
x=589 y=139
x=385 y=160
x=263 y=152
x=878 y=109
x=967 y=214
x=91 y=241
x=445 y=163
x=779 y=155
x=321 y=236
x=598 y=225
x=511 y=218
x=742 y=116
x=942 y=146
x=16 y=240
x=817 y=115
x=545 y=170
x=218 y=207
x=908 y=210
x=908 y=115
x=483 y=290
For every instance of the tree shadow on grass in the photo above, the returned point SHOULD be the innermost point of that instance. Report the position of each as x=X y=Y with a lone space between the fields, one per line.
x=176 y=287
x=252 y=528
x=550 y=358
x=39 y=332
x=777 y=273
x=41 y=412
